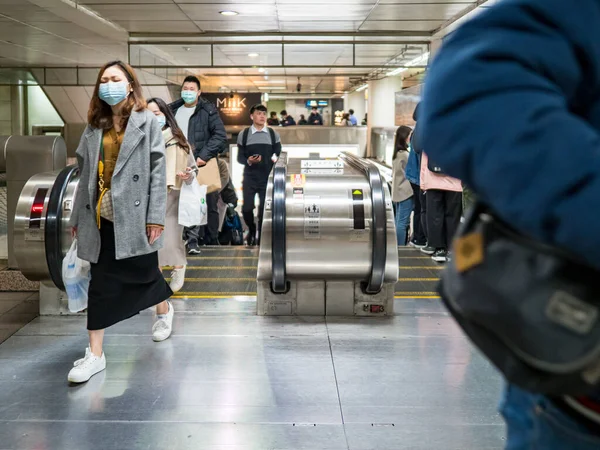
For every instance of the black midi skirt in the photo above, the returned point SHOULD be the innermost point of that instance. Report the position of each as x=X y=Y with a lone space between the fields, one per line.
x=121 y=289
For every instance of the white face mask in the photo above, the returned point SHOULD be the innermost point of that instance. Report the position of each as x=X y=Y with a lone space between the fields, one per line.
x=189 y=96
x=113 y=92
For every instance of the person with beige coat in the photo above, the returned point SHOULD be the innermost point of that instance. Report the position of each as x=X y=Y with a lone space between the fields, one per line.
x=402 y=192
x=181 y=167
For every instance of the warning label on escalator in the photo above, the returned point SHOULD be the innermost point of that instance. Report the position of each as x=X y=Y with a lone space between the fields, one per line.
x=358 y=209
x=312 y=217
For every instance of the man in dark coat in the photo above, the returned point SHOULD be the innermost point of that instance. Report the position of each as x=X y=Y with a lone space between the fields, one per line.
x=200 y=122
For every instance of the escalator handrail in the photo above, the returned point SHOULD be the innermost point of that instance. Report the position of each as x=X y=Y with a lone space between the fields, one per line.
x=379 y=215
x=53 y=234
x=278 y=243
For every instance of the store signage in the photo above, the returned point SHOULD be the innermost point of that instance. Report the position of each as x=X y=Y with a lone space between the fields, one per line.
x=234 y=109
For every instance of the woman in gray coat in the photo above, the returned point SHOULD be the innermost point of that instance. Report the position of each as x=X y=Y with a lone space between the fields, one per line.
x=119 y=211
x=402 y=193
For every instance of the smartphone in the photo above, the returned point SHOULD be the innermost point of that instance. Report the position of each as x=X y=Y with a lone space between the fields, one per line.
x=256 y=156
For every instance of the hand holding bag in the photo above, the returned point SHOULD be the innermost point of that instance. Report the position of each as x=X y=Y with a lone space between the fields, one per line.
x=76 y=278
x=192 y=205
x=531 y=308
x=210 y=176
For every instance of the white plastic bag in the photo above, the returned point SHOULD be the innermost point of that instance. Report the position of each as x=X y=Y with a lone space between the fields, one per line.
x=192 y=205
x=76 y=277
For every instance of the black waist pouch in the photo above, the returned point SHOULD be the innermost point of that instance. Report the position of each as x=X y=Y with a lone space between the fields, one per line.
x=532 y=309
x=432 y=166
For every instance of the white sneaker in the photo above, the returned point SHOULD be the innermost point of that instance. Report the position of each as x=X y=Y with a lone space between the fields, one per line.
x=87 y=367
x=163 y=327
x=177 y=279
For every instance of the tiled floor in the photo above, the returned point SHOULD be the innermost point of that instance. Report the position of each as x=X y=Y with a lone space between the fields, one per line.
x=229 y=380
x=17 y=309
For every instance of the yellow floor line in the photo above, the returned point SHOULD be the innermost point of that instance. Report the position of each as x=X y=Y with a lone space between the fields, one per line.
x=209 y=280
x=418 y=279
x=216 y=267
x=249 y=294
x=200 y=280
x=200 y=258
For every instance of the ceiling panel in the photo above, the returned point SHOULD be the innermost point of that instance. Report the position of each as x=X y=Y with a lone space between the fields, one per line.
x=413 y=2
x=323 y=25
x=405 y=25
x=27 y=12
x=117 y=2
x=441 y=11
x=134 y=13
x=323 y=11
x=210 y=11
x=159 y=26
x=257 y=23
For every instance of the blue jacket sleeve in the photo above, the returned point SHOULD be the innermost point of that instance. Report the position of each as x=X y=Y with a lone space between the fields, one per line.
x=511 y=108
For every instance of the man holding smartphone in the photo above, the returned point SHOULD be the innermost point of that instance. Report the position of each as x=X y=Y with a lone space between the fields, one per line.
x=258 y=149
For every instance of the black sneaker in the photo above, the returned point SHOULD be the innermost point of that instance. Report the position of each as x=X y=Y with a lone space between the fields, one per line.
x=417 y=245
x=428 y=250
x=194 y=249
x=440 y=255
x=251 y=241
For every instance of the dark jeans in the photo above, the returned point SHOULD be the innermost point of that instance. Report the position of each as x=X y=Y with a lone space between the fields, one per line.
x=418 y=221
x=209 y=232
x=444 y=209
x=533 y=421
x=251 y=189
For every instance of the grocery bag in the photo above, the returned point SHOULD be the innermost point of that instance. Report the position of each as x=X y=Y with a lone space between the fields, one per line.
x=192 y=205
x=76 y=278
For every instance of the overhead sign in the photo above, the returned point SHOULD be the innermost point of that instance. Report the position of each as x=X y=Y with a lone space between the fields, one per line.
x=234 y=109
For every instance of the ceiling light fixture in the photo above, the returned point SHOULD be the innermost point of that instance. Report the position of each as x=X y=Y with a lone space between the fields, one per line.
x=261 y=70
x=228 y=13
x=187 y=49
x=268 y=88
x=419 y=60
x=253 y=55
x=362 y=88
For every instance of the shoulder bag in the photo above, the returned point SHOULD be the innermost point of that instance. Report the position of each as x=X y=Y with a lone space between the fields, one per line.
x=104 y=208
x=531 y=308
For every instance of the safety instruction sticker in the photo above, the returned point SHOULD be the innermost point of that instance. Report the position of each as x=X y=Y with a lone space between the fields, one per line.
x=323 y=171
x=298 y=180
x=312 y=217
x=298 y=193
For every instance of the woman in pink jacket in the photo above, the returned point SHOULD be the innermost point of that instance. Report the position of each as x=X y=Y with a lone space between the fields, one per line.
x=443 y=195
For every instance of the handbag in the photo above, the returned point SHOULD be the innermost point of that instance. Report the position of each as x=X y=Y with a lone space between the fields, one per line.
x=533 y=309
x=104 y=208
x=210 y=176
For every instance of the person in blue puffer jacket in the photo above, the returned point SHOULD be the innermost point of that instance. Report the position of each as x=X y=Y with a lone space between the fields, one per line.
x=511 y=107
x=413 y=174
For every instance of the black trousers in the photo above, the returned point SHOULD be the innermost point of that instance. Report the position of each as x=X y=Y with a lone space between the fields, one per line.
x=444 y=209
x=418 y=223
x=209 y=232
x=252 y=188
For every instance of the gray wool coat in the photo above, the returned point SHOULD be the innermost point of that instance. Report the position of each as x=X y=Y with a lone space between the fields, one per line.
x=138 y=188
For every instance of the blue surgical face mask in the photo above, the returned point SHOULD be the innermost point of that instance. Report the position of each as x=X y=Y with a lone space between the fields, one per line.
x=162 y=121
x=113 y=92
x=189 y=96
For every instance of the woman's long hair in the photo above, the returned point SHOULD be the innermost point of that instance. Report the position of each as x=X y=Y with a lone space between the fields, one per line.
x=401 y=144
x=100 y=113
x=172 y=123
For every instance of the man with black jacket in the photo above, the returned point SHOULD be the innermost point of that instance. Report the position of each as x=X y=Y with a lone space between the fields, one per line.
x=200 y=122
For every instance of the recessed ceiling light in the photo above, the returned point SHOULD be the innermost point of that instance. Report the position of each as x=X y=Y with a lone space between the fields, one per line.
x=228 y=13
x=271 y=87
x=261 y=70
x=253 y=55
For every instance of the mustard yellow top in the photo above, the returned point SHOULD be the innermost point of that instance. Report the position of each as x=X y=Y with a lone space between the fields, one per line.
x=112 y=145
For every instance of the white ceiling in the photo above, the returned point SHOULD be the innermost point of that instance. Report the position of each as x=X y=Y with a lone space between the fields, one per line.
x=89 y=32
